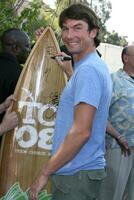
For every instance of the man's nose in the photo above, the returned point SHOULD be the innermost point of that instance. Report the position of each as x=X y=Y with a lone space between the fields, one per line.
x=70 y=33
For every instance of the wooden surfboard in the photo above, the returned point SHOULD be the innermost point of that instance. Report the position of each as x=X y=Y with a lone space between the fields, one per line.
x=26 y=149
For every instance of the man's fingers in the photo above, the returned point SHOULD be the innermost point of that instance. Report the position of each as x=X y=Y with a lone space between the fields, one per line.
x=8 y=111
x=129 y=152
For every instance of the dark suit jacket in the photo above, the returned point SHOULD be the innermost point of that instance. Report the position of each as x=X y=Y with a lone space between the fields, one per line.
x=10 y=71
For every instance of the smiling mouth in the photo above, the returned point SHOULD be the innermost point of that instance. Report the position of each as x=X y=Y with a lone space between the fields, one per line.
x=72 y=44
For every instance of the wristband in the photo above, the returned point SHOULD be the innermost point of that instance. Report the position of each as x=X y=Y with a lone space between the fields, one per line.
x=119 y=137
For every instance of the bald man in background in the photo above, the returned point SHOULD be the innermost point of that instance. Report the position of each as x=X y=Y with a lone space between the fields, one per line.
x=120 y=169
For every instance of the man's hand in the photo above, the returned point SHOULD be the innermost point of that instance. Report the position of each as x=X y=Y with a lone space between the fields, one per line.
x=125 y=149
x=9 y=121
x=66 y=66
x=36 y=187
x=39 y=32
x=8 y=101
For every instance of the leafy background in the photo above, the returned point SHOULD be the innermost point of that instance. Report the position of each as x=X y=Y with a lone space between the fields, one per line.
x=29 y=15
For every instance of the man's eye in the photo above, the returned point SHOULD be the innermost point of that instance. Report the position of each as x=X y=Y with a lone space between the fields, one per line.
x=78 y=28
x=64 y=29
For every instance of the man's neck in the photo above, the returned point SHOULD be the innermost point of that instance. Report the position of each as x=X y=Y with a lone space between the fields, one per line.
x=78 y=57
x=129 y=71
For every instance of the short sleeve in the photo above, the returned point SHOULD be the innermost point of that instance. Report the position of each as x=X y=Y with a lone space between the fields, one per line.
x=88 y=87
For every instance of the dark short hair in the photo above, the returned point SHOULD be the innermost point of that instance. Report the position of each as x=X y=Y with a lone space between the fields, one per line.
x=81 y=12
x=124 y=52
x=6 y=33
x=13 y=34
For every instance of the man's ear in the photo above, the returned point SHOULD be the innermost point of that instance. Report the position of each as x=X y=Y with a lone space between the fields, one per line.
x=93 y=33
x=125 y=58
x=15 y=49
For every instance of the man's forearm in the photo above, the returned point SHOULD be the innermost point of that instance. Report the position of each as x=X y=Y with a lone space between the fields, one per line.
x=112 y=131
x=67 y=151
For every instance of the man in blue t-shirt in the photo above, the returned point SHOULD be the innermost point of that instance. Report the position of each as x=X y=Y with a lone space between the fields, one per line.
x=78 y=165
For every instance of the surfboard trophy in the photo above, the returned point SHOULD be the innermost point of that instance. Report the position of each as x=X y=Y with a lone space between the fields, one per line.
x=25 y=149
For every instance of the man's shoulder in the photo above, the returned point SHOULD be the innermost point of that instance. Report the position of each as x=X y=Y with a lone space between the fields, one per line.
x=9 y=68
x=7 y=57
x=117 y=75
x=8 y=61
x=118 y=81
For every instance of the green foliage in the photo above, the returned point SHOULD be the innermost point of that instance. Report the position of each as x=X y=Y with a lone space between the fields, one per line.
x=115 y=39
x=32 y=14
x=103 y=9
x=27 y=16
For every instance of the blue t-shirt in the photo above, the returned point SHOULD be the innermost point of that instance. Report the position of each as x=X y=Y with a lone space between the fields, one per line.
x=91 y=84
